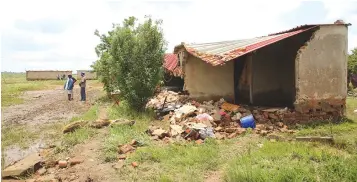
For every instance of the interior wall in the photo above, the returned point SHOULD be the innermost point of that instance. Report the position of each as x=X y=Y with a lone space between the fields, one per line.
x=273 y=75
x=206 y=82
x=242 y=79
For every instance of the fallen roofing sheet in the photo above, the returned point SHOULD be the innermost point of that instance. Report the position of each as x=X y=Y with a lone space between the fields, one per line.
x=171 y=64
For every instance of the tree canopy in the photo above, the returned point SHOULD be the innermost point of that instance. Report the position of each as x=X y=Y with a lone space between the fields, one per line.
x=130 y=59
x=352 y=62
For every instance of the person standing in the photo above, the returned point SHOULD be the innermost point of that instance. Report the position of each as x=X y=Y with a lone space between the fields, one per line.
x=69 y=87
x=82 y=84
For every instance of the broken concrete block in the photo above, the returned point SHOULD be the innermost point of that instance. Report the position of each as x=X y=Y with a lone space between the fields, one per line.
x=62 y=164
x=125 y=149
x=29 y=163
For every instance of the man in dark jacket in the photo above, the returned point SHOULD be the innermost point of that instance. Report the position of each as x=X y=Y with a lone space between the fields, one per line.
x=82 y=84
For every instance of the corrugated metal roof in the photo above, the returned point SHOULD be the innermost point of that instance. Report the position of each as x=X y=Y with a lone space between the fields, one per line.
x=218 y=53
x=170 y=61
x=171 y=64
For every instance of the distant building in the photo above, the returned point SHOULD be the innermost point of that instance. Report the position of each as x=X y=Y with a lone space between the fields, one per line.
x=46 y=74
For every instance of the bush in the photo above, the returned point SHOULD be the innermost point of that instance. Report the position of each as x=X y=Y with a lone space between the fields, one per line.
x=131 y=58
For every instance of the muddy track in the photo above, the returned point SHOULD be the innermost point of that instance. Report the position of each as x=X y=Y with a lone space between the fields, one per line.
x=47 y=106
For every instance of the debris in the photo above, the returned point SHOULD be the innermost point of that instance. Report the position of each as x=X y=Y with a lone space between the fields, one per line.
x=233 y=135
x=120 y=164
x=315 y=139
x=41 y=171
x=176 y=130
x=62 y=164
x=134 y=164
x=125 y=149
x=160 y=133
x=263 y=132
x=100 y=123
x=133 y=142
x=75 y=161
x=122 y=157
x=219 y=136
x=237 y=116
x=50 y=163
x=218 y=128
x=206 y=132
x=29 y=163
x=204 y=117
x=280 y=124
x=199 y=141
x=74 y=126
x=230 y=107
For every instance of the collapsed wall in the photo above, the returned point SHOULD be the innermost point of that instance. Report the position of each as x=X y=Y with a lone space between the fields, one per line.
x=321 y=74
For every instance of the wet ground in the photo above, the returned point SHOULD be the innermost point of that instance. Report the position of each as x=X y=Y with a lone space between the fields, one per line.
x=42 y=108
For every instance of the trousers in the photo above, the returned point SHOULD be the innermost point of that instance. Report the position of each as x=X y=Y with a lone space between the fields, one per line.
x=83 y=94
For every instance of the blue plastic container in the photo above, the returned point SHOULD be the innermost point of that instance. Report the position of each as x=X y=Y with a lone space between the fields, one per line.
x=247 y=122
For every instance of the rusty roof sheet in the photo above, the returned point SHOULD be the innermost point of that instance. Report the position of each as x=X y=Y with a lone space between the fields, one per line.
x=217 y=53
x=171 y=64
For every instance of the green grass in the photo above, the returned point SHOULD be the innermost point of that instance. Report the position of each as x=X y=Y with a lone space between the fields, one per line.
x=13 y=85
x=17 y=135
x=80 y=135
x=282 y=161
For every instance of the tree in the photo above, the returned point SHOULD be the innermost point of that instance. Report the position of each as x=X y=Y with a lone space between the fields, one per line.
x=352 y=62
x=131 y=59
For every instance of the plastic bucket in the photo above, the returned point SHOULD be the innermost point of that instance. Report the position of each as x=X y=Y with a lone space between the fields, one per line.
x=247 y=122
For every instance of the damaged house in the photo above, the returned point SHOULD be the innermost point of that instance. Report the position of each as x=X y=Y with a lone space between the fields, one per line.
x=304 y=68
x=173 y=72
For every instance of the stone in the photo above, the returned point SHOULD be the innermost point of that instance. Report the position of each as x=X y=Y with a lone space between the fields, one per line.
x=280 y=124
x=284 y=130
x=273 y=116
x=62 y=164
x=120 y=164
x=41 y=171
x=199 y=141
x=134 y=164
x=100 y=123
x=122 y=157
x=74 y=126
x=260 y=126
x=133 y=142
x=241 y=131
x=216 y=116
x=75 y=161
x=28 y=163
x=232 y=135
x=271 y=128
x=125 y=149
x=50 y=163
x=263 y=132
x=230 y=107
x=219 y=136
x=218 y=128
x=176 y=130
x=230 y=130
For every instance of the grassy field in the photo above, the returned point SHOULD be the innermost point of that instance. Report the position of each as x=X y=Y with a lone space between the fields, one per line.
x=245 y=158
x=14 y=84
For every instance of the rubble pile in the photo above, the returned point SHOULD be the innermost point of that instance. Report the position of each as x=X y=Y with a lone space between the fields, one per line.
x=191 y=120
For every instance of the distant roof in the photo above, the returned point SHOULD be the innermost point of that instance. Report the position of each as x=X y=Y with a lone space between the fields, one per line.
x=217 y=53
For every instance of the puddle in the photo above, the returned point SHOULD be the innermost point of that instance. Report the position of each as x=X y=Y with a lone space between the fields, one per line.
x=15 y=153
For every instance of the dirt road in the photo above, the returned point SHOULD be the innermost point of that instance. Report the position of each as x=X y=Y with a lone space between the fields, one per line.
x=40 y=108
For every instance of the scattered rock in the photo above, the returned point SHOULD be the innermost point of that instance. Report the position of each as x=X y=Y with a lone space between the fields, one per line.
x=218 y=128
x=29 y=163
x=133 y=142
x=125 y=149
x=120 y=164
x=199 y=141
x=100 y=123
x=50 y=163
x=219 y=136
x=230 y=107
x=75 y=161
x=62 y=164
x=122 y=157
x=280 y=124
x=263 y=132
x=232 y=135
x=273 y=116
x=260 y=126
x=41 y=171
x=73 y=126
x=176 y=130
x=231 y=130
x=160 y=133
x=134 y=164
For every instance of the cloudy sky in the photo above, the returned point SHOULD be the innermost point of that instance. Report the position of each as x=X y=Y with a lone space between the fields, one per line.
x=59 y=34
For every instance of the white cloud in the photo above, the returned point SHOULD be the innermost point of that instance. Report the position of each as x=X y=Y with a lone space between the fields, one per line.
x=184 y=21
